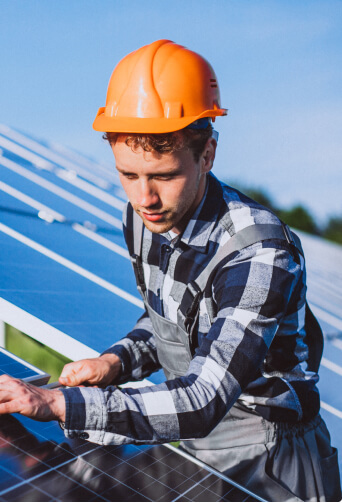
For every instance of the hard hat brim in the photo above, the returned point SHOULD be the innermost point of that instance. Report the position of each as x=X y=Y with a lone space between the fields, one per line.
x=148 y=125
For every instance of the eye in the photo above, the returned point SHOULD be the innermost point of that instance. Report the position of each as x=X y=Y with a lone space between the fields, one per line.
x=164 y=177
x=129 y=176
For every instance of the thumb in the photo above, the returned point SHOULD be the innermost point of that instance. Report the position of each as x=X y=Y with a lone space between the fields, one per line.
x=73 y=374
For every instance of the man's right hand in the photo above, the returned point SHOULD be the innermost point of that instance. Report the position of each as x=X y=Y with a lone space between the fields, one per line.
x=101 y=371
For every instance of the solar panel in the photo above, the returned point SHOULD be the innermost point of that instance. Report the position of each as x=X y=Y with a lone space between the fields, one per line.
x=14 y=366
x=38 y=464
x=65 y=275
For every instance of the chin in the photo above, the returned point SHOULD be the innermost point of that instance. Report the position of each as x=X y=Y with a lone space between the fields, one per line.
x=158 y=227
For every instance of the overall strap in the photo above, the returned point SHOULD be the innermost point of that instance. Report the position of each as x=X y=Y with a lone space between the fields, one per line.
x=188 y=309
x=246 y=237
x=138 y=231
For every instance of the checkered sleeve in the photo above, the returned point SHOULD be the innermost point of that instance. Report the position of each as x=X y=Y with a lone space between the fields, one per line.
x=251 y=293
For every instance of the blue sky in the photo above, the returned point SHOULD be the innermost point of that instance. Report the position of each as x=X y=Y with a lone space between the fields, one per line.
x=279 y=66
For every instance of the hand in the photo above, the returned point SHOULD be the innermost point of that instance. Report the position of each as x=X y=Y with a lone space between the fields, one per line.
x=29 y=400
x=100 y=371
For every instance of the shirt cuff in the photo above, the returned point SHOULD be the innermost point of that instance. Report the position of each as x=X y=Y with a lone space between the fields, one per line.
x=85 y=413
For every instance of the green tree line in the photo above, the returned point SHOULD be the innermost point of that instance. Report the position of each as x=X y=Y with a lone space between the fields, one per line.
x=298 y=216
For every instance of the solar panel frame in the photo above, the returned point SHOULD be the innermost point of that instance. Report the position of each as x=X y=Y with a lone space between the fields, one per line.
x=14 y=366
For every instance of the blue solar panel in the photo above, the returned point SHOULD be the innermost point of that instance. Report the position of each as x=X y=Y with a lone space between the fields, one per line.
x=69 y=283
x=16 y=367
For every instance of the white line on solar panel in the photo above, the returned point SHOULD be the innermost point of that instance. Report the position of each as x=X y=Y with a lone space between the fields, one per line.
x=192 y=487
x=44 y=332
x=337 y=343
x=331 y=409
x=40 y=149
x=49 y=470
x=330 y=285
x=51 y=215
x=101 y=240
x=210 y=469
x=73 y=156
x=326 y=304
x=71 y=265
x=69 y=175
x=328 y=317
x=73 y=179
x=26 y=154
x=64 y=194
x=331 y=366
x=31 y=202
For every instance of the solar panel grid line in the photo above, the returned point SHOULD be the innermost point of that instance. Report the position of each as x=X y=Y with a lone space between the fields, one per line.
x=70 y=176
x=101 y=240
x=32 y=479
x=65 y=155
x=331 y=365
x=103 y=472
x=337 y=343
x=39 y=150
x=29 y=201
x=44 y=332
x=71 y=265
x=50 y=215
x=25 y=154
x=90 y=189
x=64 y=194
x=327 y=285
x=328 y=304
x=331 y=409
x=326 y=316
x=210 y=469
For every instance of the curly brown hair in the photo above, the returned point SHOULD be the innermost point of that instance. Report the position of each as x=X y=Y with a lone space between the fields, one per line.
x=193 y=139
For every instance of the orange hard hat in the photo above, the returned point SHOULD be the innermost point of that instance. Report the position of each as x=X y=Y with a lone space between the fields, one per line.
x=159 y=88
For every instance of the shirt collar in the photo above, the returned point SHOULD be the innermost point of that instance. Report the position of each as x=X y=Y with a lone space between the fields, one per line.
x=201 y=224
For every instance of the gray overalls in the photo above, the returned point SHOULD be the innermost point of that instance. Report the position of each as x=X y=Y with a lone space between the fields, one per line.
x=241 y=445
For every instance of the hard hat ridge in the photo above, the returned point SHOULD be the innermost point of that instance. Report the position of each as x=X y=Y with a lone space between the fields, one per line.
x=159 y=88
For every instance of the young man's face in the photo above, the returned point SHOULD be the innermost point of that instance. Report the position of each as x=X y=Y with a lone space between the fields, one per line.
x=164 y=189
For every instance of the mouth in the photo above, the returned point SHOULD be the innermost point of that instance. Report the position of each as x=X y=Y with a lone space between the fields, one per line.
x=153 y=217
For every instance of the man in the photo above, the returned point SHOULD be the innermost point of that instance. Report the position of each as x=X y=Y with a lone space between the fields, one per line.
x=223 y=282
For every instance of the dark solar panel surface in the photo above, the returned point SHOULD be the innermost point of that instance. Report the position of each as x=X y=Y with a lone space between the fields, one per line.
x=38 y=464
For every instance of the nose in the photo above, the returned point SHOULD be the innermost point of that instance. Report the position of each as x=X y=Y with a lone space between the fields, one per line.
x=147 y=195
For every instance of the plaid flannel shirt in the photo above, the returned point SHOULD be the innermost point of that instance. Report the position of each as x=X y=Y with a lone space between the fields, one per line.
x=253 y=352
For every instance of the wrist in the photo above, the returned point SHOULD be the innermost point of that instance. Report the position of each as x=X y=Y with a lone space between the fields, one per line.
x=57 y=405
x=114 y=363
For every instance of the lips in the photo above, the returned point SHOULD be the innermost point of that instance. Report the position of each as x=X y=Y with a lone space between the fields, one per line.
x=153 y=217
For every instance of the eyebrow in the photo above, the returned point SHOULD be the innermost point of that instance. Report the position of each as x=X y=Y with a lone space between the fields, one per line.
x=171 y=172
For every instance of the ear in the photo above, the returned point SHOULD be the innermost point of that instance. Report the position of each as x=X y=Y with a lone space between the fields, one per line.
x=208 y=155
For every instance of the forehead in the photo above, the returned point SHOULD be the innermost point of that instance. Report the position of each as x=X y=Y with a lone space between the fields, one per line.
x=128 y=159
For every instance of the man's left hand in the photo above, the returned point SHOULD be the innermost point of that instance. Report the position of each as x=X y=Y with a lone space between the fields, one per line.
x=29 y=400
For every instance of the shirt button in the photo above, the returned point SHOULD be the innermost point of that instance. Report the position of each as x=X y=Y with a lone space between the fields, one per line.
x=168 y=249
x=84 y=435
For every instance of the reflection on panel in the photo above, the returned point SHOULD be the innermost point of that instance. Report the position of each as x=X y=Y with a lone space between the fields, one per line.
x=37 y=463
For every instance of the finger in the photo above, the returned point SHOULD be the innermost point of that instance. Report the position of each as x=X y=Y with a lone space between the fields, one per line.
x=76 y=373
x=9 y=407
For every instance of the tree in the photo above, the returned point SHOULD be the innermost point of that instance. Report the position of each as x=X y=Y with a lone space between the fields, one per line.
x=299 y=218
x=333 y=229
